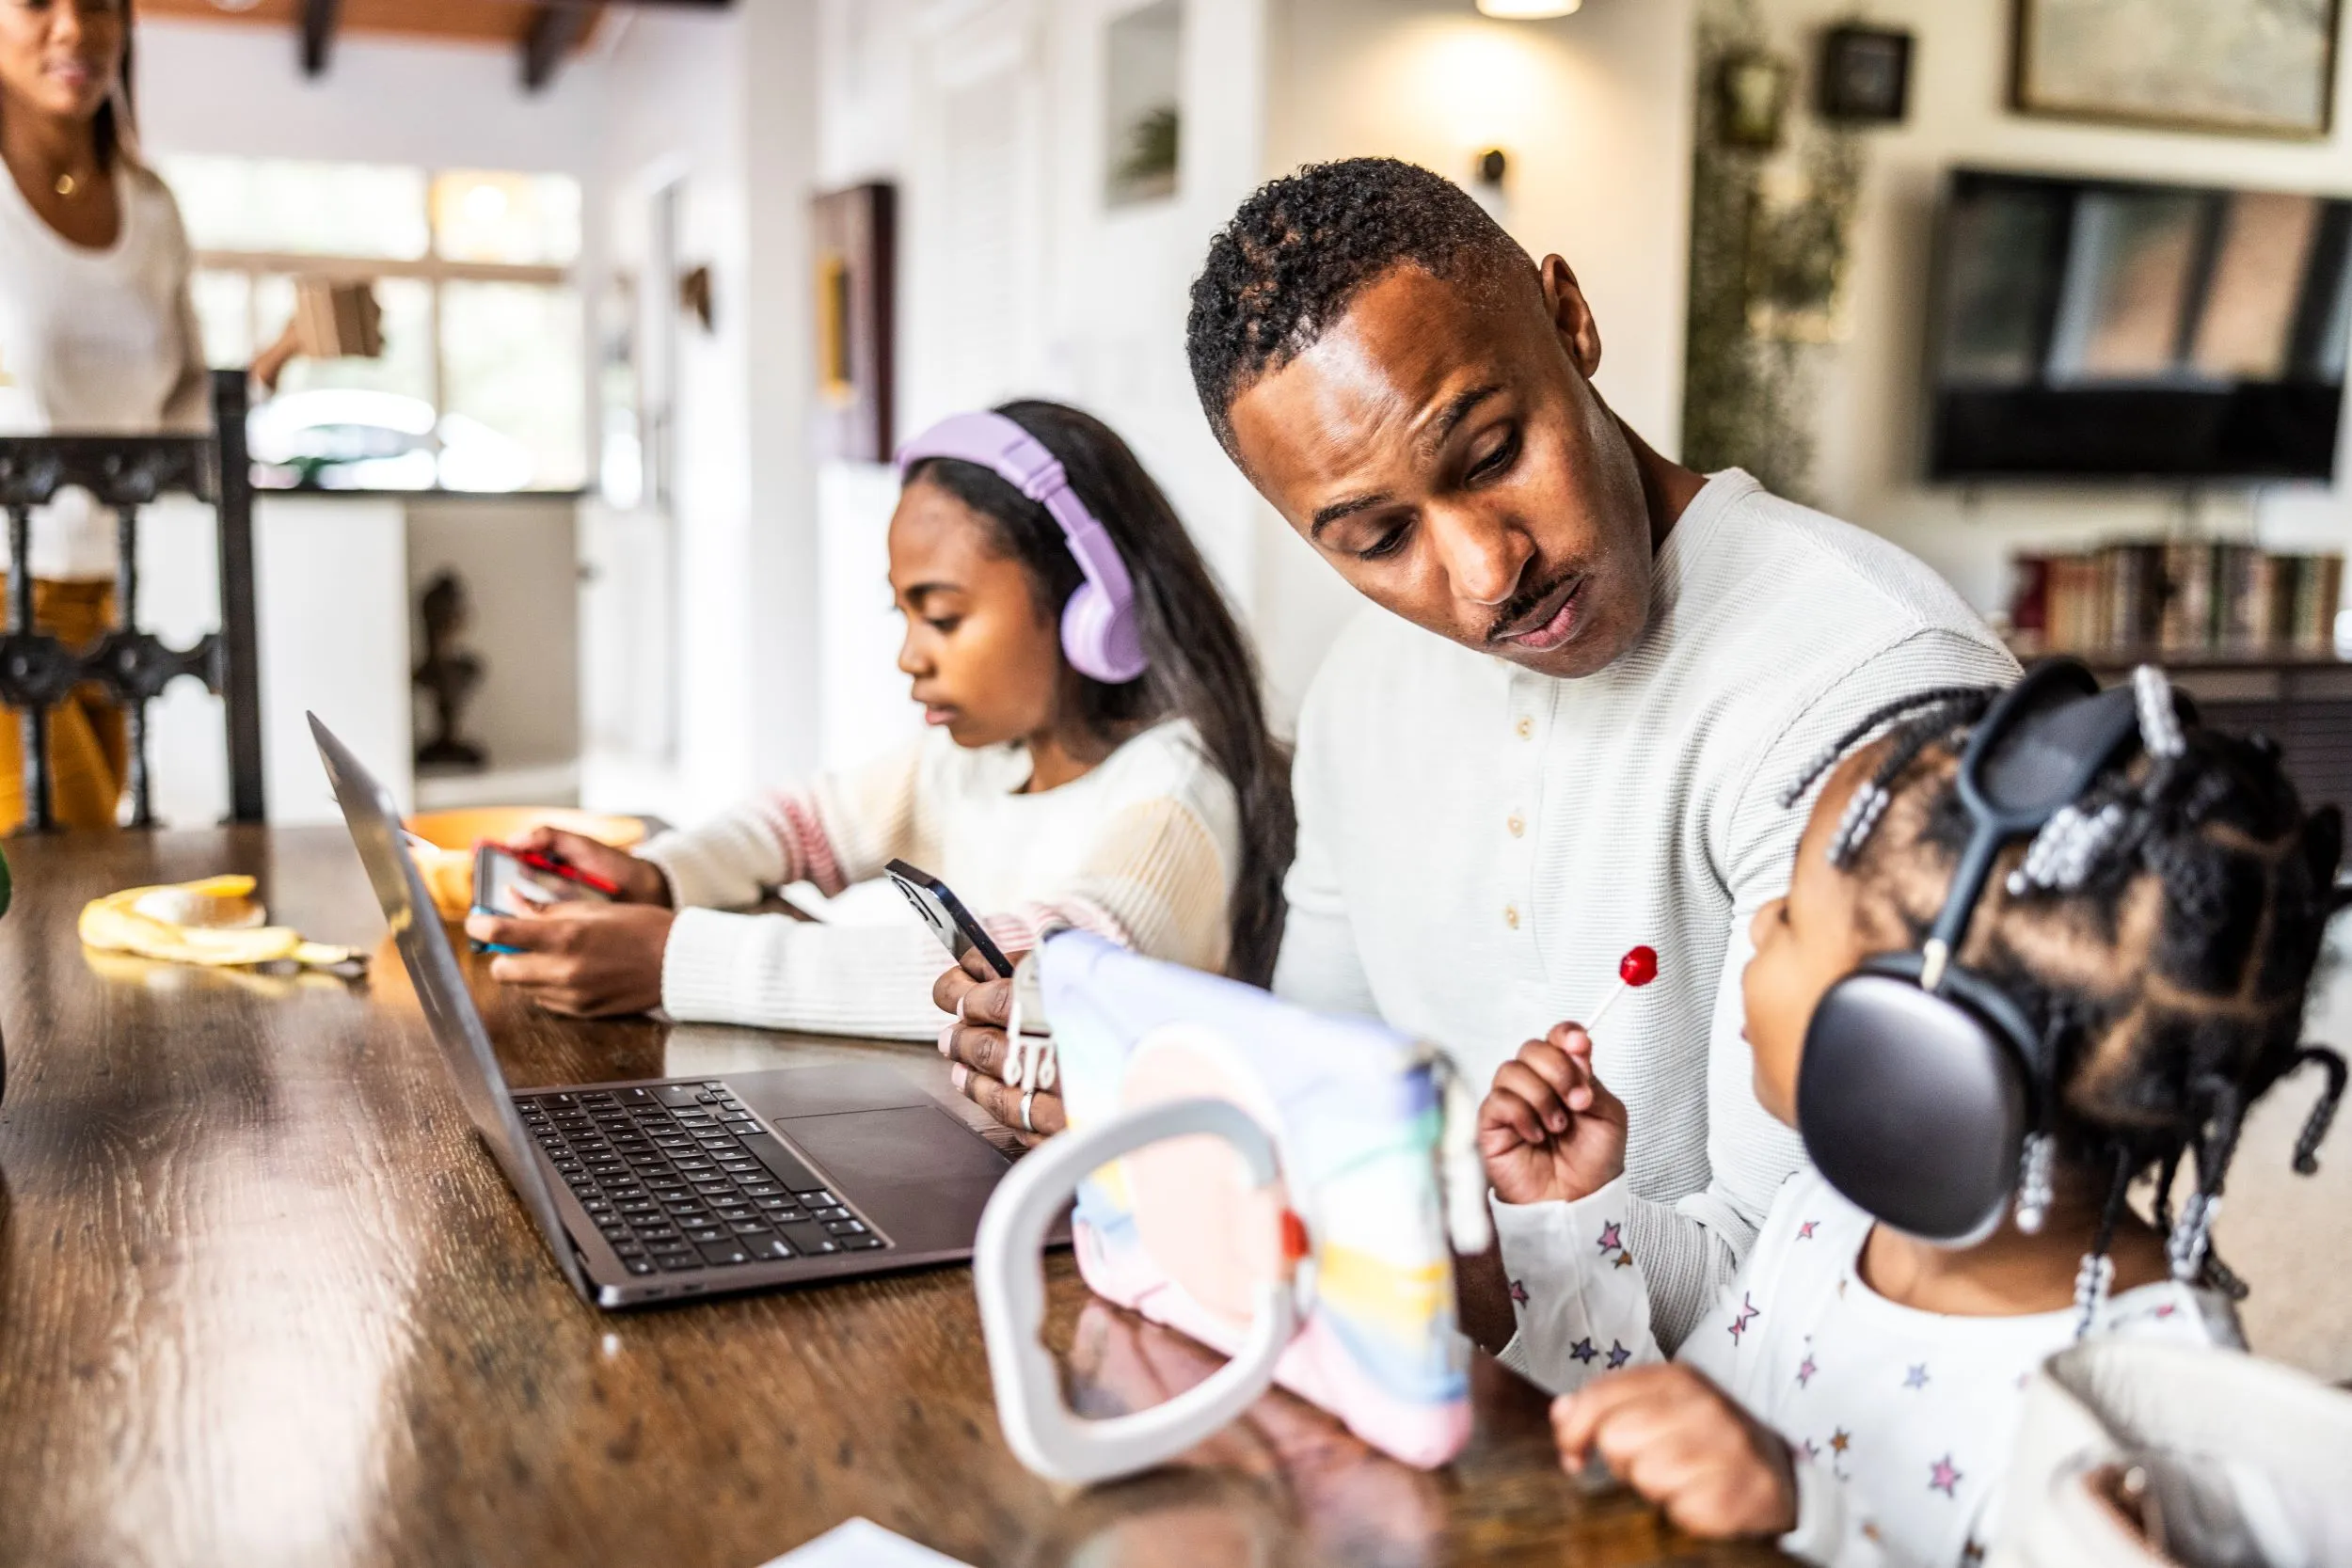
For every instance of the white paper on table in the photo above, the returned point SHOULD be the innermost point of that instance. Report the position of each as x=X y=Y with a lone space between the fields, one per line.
x=862 y=1544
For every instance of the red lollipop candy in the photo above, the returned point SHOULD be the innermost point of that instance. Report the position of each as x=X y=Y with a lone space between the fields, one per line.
x=1637 y=969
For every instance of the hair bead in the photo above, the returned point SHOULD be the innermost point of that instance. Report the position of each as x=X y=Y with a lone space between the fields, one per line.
x=2034 y=1187
x=2159 y=722
x=2092 y=1282
x=1862 y=814
x=2192 y=1234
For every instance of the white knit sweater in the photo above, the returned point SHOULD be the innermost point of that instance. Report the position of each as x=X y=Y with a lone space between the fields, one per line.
x=1478 y=845
x=1143 y=850
x=95 y=341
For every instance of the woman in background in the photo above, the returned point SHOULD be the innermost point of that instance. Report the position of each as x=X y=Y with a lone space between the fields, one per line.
x=1122 y=782
x=98 y=335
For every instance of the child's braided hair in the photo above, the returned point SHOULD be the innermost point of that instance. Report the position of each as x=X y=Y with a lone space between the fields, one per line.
x=2160 y=934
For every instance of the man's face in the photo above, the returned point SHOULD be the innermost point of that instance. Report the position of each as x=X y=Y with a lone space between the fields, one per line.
x=1441 y=444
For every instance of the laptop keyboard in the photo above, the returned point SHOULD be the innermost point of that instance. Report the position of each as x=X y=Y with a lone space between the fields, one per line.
x=681 y=1176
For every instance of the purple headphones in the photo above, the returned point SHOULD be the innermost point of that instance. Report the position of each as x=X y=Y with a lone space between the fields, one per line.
x=1098 y=626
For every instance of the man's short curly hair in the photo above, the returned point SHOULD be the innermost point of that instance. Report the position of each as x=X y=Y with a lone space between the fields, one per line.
x=1301 y=247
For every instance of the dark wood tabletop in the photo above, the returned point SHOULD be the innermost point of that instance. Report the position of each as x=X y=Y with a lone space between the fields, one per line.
x=263 y=1300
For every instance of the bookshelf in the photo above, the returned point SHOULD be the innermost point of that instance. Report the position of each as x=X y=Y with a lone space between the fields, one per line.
x=2301 y=700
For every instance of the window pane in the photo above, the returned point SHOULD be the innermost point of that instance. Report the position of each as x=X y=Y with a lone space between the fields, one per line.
x=514 y=387
x=406 y=363
x=351 y=423
x=523 y=219
x=292 y=205
x=224 y=305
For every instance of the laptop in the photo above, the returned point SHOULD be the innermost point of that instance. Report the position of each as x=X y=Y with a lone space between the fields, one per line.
x=659 y=1190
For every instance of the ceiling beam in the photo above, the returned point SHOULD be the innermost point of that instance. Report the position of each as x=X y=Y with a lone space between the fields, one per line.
x=556 y=30
x=318 y=18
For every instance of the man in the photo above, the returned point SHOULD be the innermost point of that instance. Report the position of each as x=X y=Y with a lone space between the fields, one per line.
x=1630 y=662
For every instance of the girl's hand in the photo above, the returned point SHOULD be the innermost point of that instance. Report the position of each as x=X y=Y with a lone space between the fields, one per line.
x=1547 y=1129
x=1679 y=1441
x=640 y=882
x=591 y=961
x=976 y=1044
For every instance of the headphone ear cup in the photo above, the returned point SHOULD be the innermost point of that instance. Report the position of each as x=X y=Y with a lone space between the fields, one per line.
x=1099 y=641
x=1914 y=1105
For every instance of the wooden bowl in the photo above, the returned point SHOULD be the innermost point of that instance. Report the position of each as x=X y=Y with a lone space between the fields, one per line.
x=448 y=867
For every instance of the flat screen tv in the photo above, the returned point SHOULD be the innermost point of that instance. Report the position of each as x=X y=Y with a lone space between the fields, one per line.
x=2085 y=329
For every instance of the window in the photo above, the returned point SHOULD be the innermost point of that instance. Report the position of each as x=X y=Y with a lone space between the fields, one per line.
x=482 y=382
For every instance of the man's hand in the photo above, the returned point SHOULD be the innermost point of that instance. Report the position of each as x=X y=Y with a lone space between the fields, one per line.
x=975 y=1043
x=1679 y=1441
x=640 y=882
x=1548 y=1129
x=593 y=961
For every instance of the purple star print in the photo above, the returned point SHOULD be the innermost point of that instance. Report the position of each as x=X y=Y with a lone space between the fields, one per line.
x=1609 y=1241
x=1805 y=1369
x=1916 y=1377
x=1943 y=1476
x=1618 y=1355
x=1749 y=1313
x=1584 y=1350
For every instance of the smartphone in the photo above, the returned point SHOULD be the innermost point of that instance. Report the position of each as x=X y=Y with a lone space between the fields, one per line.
x=945 y=913
x=516 y=882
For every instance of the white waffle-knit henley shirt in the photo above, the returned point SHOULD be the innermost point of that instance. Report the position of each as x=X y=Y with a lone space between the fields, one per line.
x=1479 y=845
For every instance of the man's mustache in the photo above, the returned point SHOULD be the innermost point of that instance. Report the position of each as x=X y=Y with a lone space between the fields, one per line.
x=1525 y=603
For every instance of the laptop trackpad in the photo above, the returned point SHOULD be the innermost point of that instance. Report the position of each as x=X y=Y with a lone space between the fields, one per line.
x=922 y=1176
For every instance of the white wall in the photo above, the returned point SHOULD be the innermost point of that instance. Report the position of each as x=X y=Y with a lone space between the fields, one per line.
x=1871 y=413
x=336 y=572
x=1593 y=111
x=1014 y=280
x=239 y=90
x=725 y=104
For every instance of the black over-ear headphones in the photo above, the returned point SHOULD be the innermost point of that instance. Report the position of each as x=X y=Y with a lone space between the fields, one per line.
x=1922 y=1079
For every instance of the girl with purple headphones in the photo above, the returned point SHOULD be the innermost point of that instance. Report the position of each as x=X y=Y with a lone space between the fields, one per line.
x=1097 y=754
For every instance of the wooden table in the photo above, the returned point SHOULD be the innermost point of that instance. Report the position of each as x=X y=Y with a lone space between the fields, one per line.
x=263 y=1300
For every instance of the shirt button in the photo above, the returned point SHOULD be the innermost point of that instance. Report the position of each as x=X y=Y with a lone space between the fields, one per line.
x=1511 y=916
x=1518 y=825
x=1526 y=727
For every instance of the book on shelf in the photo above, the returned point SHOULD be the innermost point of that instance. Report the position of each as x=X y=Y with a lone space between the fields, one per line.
x=2184 y=597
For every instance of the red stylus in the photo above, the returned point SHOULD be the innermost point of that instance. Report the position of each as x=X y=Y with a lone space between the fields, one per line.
x=566 y=870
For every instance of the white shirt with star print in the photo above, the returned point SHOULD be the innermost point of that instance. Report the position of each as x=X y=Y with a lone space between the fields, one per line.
x=1901 y=1421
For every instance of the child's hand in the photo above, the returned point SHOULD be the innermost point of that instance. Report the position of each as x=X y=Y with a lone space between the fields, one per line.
x=1547 y=1129
x=640 y=882
x=1679 y=1441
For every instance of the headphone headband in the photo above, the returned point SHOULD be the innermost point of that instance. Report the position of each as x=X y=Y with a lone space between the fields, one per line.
x=1099 y=634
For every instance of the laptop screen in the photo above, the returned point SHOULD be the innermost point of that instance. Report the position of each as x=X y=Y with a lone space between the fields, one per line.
x=440 y=987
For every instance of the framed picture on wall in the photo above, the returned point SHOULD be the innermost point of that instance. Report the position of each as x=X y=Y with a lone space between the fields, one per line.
x=855 y=235
x=1144 y=119
x=2246 y=67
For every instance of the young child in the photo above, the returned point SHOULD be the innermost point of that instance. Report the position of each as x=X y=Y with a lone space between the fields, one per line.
x=1854 y=1389
x=1133 y=790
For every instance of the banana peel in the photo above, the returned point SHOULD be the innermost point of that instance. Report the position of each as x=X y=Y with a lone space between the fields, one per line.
x=219 y=928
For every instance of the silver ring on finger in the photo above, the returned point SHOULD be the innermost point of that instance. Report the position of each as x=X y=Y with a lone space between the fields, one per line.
x=1027 y=1100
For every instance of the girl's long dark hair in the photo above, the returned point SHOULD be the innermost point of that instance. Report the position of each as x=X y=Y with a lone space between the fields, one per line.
x=1202 y=668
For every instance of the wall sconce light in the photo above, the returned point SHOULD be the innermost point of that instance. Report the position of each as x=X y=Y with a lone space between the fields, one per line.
x=1527 y=10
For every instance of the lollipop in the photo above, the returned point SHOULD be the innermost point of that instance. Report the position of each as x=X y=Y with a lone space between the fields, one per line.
x=1637 y=969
